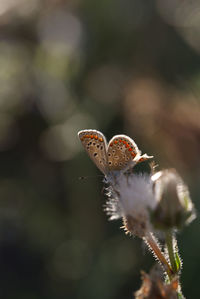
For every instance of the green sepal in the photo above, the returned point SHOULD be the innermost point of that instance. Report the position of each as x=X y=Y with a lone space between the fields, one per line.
x=178 y=262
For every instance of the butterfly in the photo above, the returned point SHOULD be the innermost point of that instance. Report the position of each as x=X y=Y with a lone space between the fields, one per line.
x=119 y=154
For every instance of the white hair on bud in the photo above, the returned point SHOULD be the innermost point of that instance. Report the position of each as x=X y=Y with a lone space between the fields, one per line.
x=130 y=195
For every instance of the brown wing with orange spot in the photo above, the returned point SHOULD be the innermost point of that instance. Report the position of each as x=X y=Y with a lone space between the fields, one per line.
x=95 y=144
x=143 y=158
x=121 y=151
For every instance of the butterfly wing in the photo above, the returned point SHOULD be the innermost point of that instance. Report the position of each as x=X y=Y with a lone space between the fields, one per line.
x=121 y=151
x=143 y=158
x=95 y=144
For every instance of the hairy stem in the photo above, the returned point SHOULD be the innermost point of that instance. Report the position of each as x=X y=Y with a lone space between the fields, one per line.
x=151 y=241
x=170 y=248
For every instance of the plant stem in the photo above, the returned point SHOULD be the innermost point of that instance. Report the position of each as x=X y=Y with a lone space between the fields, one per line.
x=151 y=241
x=170 y=248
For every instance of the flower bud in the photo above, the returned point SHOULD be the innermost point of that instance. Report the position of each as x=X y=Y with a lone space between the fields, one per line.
x=130 y=197
x=174 y=207
x=153 y=286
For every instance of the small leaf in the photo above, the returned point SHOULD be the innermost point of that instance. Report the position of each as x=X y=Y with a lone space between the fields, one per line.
x=180 y=296
x=178 y=261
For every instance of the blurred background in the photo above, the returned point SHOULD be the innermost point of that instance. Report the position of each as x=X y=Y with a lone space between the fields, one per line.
x=119 y=66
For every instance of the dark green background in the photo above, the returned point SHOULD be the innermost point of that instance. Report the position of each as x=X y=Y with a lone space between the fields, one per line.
x=119 y=66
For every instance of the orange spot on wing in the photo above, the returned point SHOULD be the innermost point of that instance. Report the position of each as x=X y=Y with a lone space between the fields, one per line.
x=120 y=140
x=100 y=139
x=111 y=144
x=91 y=136
x=141 y=159
x=116 y=141
x=133 y=154
x=95 y=137
x=127 y=145
x=124 y=142
x=130 y=149
x=87 y=136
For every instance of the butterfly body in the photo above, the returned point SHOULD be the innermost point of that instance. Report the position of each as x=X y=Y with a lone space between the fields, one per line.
x=120 y=153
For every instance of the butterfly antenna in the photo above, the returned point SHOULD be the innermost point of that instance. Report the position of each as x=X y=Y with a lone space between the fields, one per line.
x=90 y=177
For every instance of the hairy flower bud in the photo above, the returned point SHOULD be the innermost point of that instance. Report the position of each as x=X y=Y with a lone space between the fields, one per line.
x=174 y=206
x=131 y=198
